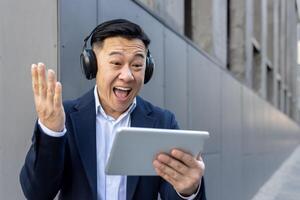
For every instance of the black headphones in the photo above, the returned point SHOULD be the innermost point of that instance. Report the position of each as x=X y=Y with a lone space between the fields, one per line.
x=88 y=61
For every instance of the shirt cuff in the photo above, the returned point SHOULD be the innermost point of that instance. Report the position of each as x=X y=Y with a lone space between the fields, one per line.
x=49 y=132
x=192 y=196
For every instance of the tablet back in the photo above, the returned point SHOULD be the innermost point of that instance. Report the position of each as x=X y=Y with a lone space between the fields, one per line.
x=134 y=149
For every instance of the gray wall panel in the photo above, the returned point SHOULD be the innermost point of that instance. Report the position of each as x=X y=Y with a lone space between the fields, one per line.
x=231 y=130
x=269 y=130
x=259 y=123
x=77 y=19
x=213 y=176
x=176 y=93
x=286 y=138
x=28 y=34
x=248 y=141
x=249 y=138
x=252 y=172
x=204 y=81
x=273 y=140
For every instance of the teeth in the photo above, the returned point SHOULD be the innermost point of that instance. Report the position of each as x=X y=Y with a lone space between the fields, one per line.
x=123 y=88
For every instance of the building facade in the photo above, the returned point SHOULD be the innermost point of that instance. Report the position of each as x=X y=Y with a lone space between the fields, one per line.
x=228 y=67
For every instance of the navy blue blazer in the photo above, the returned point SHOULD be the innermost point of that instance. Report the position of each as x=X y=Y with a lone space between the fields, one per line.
x=68 y=164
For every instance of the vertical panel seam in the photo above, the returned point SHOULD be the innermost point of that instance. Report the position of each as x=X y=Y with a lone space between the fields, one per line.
x=164 y=67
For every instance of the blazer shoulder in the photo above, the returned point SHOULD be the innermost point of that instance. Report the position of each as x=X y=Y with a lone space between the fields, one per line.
x=69 y=105
x=81 y=102
x=153 y=109
x=163 y=116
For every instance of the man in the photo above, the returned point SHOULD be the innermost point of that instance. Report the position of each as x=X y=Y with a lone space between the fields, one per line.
x=71 y=142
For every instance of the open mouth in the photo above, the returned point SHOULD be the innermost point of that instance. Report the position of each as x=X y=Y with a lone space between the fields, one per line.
x=122 y=92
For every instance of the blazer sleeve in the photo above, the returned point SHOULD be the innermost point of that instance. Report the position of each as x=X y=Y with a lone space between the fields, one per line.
x=167 y=192
x=42 y=171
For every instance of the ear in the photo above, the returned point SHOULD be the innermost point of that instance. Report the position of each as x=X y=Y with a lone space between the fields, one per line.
x=150 y=65
x=89 y=63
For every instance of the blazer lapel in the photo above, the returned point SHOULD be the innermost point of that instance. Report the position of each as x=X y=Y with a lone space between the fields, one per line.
x=140 y=117
x=84 y=122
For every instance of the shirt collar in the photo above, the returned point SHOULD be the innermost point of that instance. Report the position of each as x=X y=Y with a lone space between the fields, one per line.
x=100 y=110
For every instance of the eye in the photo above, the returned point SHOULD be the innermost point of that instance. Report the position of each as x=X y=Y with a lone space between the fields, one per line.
x=137 y=65
x=115 y=63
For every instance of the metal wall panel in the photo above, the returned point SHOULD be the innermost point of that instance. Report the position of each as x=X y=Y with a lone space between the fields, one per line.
x=231 y=129
x=252 y=171
x=176 y=93
x=259 y=114
x=213 y=176
x=268 y=126
x=273 y=138
x=77 y=19
x=248 y=141
x=28 y=34
x=204 y=81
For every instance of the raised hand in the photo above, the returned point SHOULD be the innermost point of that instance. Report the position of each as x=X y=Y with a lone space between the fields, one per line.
x=47 y=92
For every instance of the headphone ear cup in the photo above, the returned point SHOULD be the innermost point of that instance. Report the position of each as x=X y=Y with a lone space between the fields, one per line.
x=150 y=65
x=88 y=63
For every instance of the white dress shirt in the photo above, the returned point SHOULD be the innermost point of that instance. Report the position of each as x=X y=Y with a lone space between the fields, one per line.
x=109 y=187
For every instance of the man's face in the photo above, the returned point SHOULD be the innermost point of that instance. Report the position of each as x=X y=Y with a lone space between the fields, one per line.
x=120 y=75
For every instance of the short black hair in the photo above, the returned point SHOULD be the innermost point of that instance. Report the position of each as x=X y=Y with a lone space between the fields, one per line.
x=119 y=27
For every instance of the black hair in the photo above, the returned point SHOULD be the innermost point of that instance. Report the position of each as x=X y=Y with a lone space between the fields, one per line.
x=119 y=27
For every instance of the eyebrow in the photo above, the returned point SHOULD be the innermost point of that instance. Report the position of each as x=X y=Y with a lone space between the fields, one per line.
x=119 y=53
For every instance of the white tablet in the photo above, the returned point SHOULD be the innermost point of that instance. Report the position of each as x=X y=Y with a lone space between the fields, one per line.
x=134 y=149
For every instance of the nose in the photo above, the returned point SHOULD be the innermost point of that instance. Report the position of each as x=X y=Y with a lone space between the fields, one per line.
x=126 y=74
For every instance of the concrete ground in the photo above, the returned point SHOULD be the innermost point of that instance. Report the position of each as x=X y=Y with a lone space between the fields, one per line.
x=285 y=182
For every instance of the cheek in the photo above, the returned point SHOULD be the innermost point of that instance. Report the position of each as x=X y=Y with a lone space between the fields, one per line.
x=106 y=75
x=140 y=76
x=103 y=82
x=139 y=82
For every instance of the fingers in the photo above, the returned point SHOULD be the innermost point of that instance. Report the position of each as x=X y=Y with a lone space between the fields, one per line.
x=58 y=96
x=167 y=172
x=42 y=86
x=46 y=89
x=42 y=80
x=181 y=170
x=173 y=163
x=38 y=75
x=50 y=86
x=34 y=77
x=201 y=162
x=165 y=176
x=48 y=97
x=186 y=158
